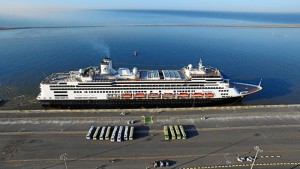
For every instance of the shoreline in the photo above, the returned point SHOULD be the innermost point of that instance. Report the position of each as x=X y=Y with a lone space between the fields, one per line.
x=145 y=25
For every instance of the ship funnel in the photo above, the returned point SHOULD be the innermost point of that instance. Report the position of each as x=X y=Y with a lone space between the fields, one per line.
x=106 y=66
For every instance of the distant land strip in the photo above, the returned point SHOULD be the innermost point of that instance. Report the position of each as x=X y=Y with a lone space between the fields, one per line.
x=135 y=25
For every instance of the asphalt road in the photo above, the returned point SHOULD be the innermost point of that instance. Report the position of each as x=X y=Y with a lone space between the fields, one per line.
x=36 y=139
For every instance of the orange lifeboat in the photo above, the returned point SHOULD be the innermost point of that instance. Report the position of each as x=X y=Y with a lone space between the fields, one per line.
x=168 y=94
x=209 y=95
x=139 y=95
x=127 y=95
x=197 y=94
x=153 y=95
x=183 y=95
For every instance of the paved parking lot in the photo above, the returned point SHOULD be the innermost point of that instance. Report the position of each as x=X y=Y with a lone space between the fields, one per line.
x=37 y=139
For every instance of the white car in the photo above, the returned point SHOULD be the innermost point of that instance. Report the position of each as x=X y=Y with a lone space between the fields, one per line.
x=130 y=121
x=241 y=159
x=161 y=164
x=204 y=118
x=250 y=159
x=167 y=163
x=123 y=113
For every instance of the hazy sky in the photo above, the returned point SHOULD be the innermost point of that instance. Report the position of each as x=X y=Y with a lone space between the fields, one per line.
x=18 y=6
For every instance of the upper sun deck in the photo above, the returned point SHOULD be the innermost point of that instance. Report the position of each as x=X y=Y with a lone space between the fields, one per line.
x=75 y=76
x=210 y=72
x=56 y=78
x=105 y=73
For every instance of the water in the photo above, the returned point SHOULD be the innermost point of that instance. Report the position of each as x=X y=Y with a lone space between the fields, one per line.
x=244 y=54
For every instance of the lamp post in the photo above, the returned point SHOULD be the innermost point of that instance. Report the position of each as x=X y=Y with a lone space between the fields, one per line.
x=257 y=149
x=64 y=157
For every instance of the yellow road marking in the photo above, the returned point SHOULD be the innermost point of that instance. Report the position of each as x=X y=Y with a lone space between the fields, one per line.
x=247 y=165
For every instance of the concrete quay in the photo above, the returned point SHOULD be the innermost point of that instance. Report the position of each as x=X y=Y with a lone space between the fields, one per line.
x=37 y=138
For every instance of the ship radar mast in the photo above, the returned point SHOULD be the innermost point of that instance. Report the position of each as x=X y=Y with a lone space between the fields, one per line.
x=200 y=65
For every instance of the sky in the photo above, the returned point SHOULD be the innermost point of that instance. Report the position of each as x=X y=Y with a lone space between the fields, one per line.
x=19 y=6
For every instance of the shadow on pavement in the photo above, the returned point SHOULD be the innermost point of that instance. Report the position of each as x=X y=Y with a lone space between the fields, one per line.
x=141 y=131
x=190 y=131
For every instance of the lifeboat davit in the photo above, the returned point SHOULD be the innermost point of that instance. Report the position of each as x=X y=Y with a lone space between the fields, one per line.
x=209 y=95
x=127 y=95
x=183 y=95
x=197 y=95
x=140 y=95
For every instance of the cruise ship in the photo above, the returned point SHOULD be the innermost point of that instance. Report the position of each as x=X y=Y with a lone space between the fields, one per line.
x=105 y=87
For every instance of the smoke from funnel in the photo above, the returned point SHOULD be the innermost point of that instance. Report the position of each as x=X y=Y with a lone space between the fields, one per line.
x=101 y=49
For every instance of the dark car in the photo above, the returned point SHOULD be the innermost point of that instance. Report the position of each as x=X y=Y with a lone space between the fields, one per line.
x=161 y=163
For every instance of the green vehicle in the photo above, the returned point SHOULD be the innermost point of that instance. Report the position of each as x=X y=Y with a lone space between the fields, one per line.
x=178 y=135
x=166 y=133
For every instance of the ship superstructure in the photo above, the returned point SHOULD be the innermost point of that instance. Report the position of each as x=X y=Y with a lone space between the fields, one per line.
x=104 y=87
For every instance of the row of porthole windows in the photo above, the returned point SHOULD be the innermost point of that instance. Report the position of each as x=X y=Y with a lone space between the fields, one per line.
x=62 y=85
x=179 y=91
x=158 y=85
x=223 y=90
x=110 y=91
x=133 y=88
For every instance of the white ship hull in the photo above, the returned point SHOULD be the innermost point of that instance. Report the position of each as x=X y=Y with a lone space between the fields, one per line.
x=103 y=87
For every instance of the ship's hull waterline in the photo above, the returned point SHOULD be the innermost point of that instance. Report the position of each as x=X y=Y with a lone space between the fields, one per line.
x=139 y=103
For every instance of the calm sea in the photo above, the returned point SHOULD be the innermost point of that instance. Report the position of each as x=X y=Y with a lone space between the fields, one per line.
x=244 y=54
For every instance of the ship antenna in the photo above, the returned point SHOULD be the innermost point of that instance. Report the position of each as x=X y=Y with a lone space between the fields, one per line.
x=200 y=64
x=260 y=82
